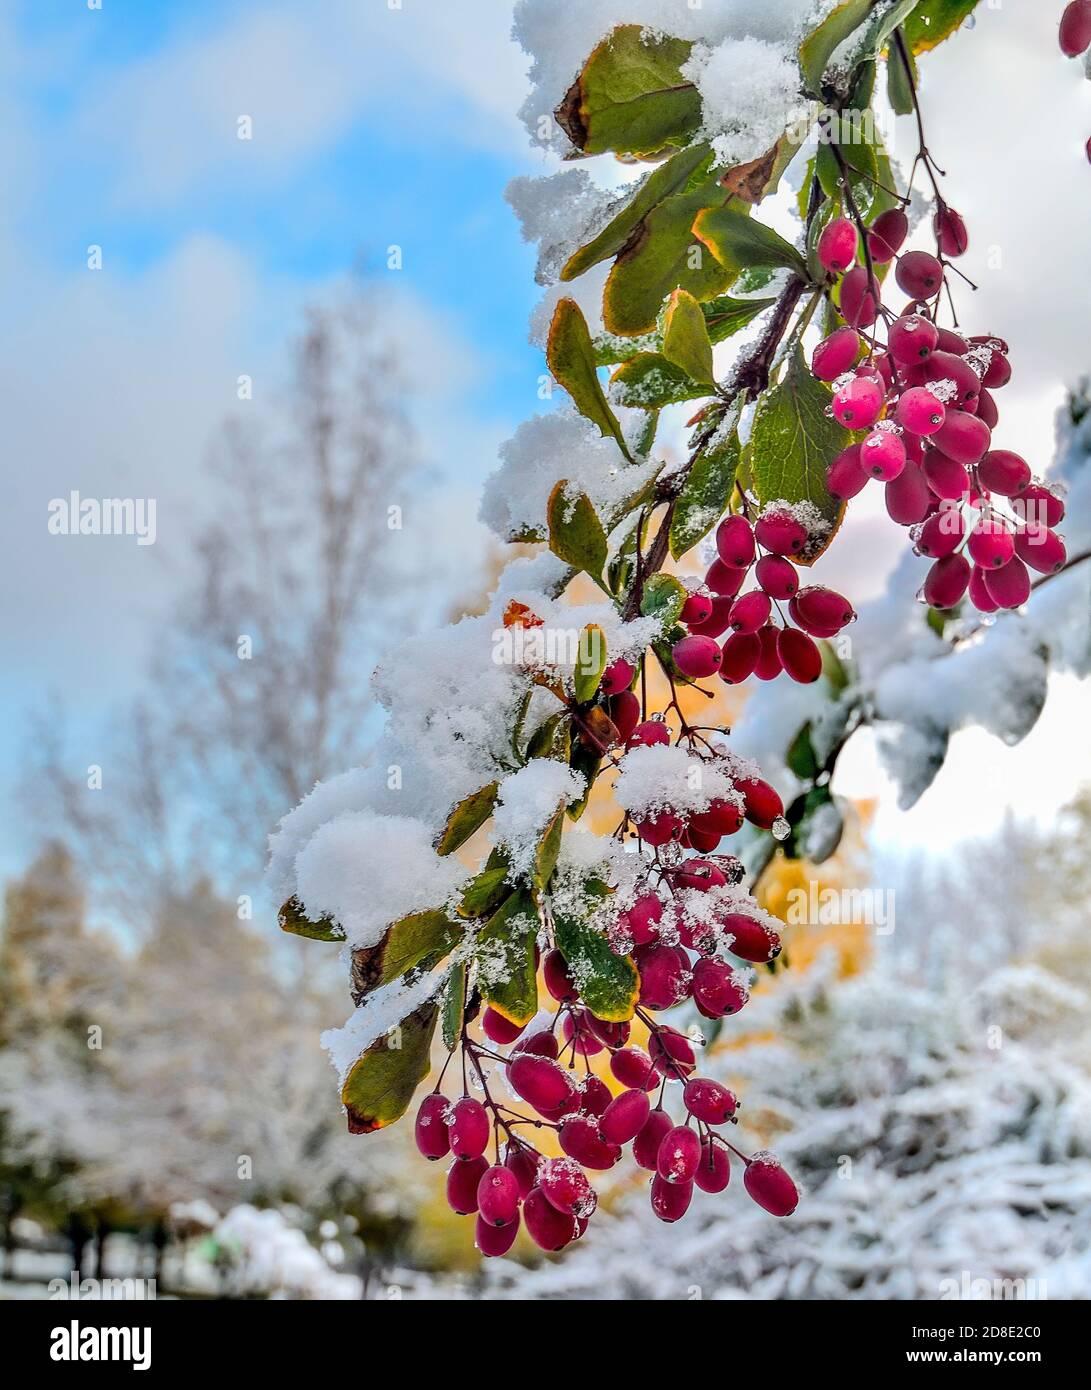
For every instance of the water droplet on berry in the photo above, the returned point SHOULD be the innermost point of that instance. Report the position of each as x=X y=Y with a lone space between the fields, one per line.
x=781 y=829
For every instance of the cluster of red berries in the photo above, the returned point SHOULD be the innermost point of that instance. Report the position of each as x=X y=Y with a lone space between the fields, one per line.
x=553 y=1196
x=1075 y=35
x=765 y=639
x=923 y=402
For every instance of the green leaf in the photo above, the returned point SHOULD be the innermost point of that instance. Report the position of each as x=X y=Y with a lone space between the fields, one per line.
x=649 y=382
x=631 y=97
x=571 y=359
x=793 y=441
x=507 y=976
x=704 y=496
x=292 y=918
x=590 y=662
x=833 y=668
x=738 y=242
x=485 y=892
x=609 y=984
x=467 y=817
x=454 y=998
x=422 y=939
x=549 y=847
x=685 y=337
x=818 y=47
x=935 y=20
x=587 y=762
x=664 y=597
x=575 y=532
x=725 y=316
x=800 y=757
x=665 y=256
x=670 y=177
x=899 y=89
x=862 y=170
x=381 y=1083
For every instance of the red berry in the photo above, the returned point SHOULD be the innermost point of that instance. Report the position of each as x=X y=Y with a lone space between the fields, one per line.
x=664 y=980
x=949 y=366
x=979 y=593
x=1075 y=31
x=647 y=1142
x=696 y=609
x=707 y=1100
x=549 y=1228
x=1040 y=548
x=679 y=1154
x=499 y=1029
x=652 y=732
x=716 y=991
x=947 y=581
x=942 y=533
x=912 y=339
x=714 y=1170
x=781 y=533
x=950 y=229
x=836 y=354
x=845 y=477
x=919 y=274
x=469 y=1128
x=859 y=301
x=724 y=581
x=463 y=1180
x=585 y=1044
x=633 y=1068
x=907 y=496
x=625 y=1116
x=723 y=818
x=640 y=922
x=735 y=542
x=542 y=1044
x=799 y=656
x=739 y=657
x=660 y=829
x=430 y=1129
x=825 y=608
x=498 y=1195
x=540 y=1082
x=858 y=404
x=671 y=1052
x=1038 y=504
x=836 y=248
x=751 y=611
x=557 y=978
x=523 y=1162
x=495 y=1240
x=763 y=805
x=696 y=657
x=944 y=476
x=1009 y=586
x=963 y=437
x=618 y=676
x=777 y=576
x=991 y=542
x=882 y=455
x=919 y=411
x=1004 y=472
x=769 y=664
x=670 y=1201
x=887 y=235
x=564 y=1185
x=769 y=1185
x=751 y=940
x=625 y=713
x=580 y=1139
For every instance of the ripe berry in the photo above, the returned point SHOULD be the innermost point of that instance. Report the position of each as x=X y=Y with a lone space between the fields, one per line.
x=564 y=1185
x=585 y=1044
x=882 y=455
x=825 y=608
x=724 y=580
x=948 y=366
x=1009 y=586
x=540 y=1082
x=777 y=576
x=944 y=476
x=618 y=676
x=640 y=922
x=625 y=1116
x=919 y=274
x=739 y=657
x=499 y=1029
x=498 y=1195
x=769 y=1185
x=625 y=713
x=963 y=438
x=780 y=533
x=714 y=1170
x=799 y=656
x=735 y=542
x=664 y=980
x=837 y=245
x=595 y=1096
x=647 y=1142
x=1040 y=548
x=1039 y=504
x=633 y=1068
x=696 y=609
x=950 y=230
x=751 y=611
x=469 y=1128
x=580 y=1139
x=1004 y=472
x=679 y=1154
x=751 y=940
x=979 y=593
x=919 y=411
x=557 y=978
x=911 y=339
x=845 y=477
x=907 y=497
x=463 y=1180
x=660 y=829
x=717 y=624
x=430 y=1129
x=671 y=1052
x=707 y=1100
x=887 y=235
x=716 y=990
x=1075 y=31
x=523 y=1162
x=942 y=533
x=542 y=1044
x=763 y=805
x=769 y=664
x=495 y=1240
x=859 y=301
x=997 y=373
x=991 y=542
x=946 y=581
x=696 y=657
x=986 y=409
x=836 y=354
x=549 y=1228
x=670 y=1200
x=858 y=404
